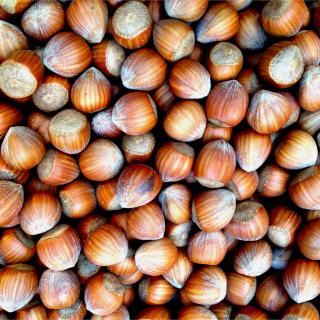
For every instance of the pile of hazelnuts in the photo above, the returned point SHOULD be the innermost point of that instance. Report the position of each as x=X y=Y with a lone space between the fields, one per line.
x=159 y=160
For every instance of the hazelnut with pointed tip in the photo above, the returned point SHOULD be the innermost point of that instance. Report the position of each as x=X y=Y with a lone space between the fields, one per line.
x=88 y=18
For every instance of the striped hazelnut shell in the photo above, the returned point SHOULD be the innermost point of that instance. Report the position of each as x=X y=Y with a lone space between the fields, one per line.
x=69 y=131
x=185 y=121
x=156 y=257
x=188 y=12
x=189 y=79
x=57 y=168
x=215 y=164
x=135 y=113
x=91 y=92
x=252 y=149
x=43 y=19
x=131 y=25
x=59 y=248
x=227 y=104
x=100 y=246
x=212 y=210
x=173 y=39
x=22 y=148
x=21 y=74
x=89 y=19
x=249 y=222
x=220 y=22
x=174 y=161
x=108 y=57
x=25 y=278
x=40 y=213
x=144 y=70
x=12 y=39
x=253 y=258
x=146 y=222
x=301 y=280
x=283 y=226
x=67 y=54
x=138 y=184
